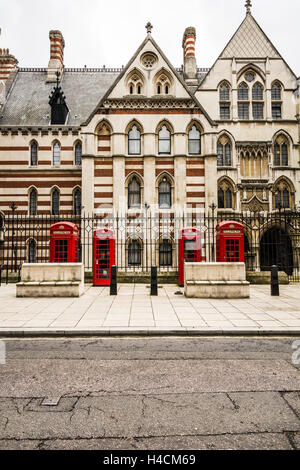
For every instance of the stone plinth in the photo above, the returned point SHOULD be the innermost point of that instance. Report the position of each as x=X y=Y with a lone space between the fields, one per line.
x=216 y=280
x=51 y=280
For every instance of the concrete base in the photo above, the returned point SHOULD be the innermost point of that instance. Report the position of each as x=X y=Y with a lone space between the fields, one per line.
x=51 y=280
x=216 y=281
x=264 y=277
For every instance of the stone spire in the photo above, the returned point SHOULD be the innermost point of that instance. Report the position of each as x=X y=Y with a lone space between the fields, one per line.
x=248 y=6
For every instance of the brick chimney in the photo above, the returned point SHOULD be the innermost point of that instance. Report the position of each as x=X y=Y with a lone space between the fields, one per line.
x=56 y=62
x=8 y=63
x=189 y=59
x=8 y=69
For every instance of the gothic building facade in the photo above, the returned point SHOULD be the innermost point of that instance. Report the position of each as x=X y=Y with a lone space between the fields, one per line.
x=176 y=140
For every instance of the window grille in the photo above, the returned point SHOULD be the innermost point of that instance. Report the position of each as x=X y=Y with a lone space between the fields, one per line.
x=257 y=92
x=276 y=110
x=243 y=110
x=224 y=93
x=258 y=110
x=243 y=92
x=276 y=92
x=224 y=110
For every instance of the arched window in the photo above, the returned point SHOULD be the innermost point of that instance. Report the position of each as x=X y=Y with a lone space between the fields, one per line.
x=165 y=253
x=276 y=101
x=78 y=153
x=34 y=154
x=243 y=105
x=56 y=154
x=243 y=92
x=33 y=202
x=225 y=195
x=224 y=96
x=164 y=140
x=257 y=101
x=224 y=152
x=134 y=253
x=134 y=193
x=135 y=82
x=164 y=194
x=281 y=154
x=284 y=195
x=134 y=141
x=194 y=141
x=257 y=92
x=163 y=83
x=32 y=251
x=77 y=202
x=55 y=202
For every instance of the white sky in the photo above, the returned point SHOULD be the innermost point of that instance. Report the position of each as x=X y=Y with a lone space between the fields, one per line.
x=101 y=32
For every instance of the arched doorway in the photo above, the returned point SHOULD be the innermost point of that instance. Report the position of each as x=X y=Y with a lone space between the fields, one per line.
x=276 y=249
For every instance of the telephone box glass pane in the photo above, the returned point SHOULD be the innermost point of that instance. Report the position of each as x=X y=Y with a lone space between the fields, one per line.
x=232 y=251
x=61 y=251
x=190 y=248
x=102 y=259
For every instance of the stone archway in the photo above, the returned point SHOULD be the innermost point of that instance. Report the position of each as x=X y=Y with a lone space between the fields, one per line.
x=276 y=249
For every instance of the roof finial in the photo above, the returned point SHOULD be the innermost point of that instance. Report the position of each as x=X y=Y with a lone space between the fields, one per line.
x=149 y=27
x=248 y=6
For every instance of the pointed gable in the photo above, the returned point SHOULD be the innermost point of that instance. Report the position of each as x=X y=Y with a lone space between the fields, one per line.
x=249 y=41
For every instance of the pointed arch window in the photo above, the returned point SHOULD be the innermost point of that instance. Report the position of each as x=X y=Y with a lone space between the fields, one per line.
x=243 y=92
x=281 y=154
x=164 y=194
x=257 y=92
x=225 y=196
x=77 y=202
x=78 y=154
x=243 y=105
x=32 y=251
x=134 y=253
x=224 y=96
x=34 y=154
x=56 y=154
x=55 y=202
x=194 y=141
x=33 y=202
x=224 y=152
x=164 y=140
x=134 y=141
x=134 y=193
x=283 y=196
x=258 y=103
x=276 y=101
x=165 y=253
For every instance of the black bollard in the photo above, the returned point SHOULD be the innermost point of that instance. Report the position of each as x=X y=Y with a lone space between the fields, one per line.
x=274 y=281
x=113 y=281
x=153 y=280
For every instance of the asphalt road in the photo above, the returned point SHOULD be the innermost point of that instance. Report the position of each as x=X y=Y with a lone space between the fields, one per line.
x=150 y=393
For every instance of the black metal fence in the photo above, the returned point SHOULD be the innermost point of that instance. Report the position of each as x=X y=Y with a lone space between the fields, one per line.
x=142 y=241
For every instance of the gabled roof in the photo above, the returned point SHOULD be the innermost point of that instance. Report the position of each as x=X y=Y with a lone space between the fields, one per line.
x=249 y=42
x=127 y=67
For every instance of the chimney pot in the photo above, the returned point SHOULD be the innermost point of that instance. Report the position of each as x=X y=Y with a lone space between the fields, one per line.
x=56 y=62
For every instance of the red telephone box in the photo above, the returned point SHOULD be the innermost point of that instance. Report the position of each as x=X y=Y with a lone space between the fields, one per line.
x=103 y=256
x=230 y=242
x=64 y=238
x=189 y=250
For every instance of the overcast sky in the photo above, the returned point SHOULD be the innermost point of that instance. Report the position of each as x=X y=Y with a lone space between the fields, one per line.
x=101 y=32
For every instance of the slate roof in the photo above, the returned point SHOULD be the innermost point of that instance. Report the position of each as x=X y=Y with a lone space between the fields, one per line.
x=28 y=100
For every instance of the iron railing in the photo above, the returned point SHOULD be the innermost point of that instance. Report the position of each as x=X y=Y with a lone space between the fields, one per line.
x=142 y=241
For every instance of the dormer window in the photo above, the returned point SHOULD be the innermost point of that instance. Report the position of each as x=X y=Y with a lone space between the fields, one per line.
x=135 y=82
x=59 y=108
x=163 y=83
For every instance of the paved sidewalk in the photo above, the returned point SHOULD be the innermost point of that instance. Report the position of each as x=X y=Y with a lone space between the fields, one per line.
x=134 y=311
